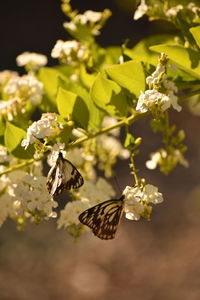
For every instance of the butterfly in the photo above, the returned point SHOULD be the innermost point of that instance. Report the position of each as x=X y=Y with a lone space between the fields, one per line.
x=104 y=218
x=63 y=175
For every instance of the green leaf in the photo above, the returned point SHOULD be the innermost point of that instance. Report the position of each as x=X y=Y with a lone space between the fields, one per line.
x=129 y=75
x=141 y=51
x=71 y=104
x=2 y=126
x=108 y=95
x=195 y=31
x=95 y=114
x=65 y=102
x=50 y=79
x=129 y=141
x=13 y=138
x=86 y=78
x=186 y=59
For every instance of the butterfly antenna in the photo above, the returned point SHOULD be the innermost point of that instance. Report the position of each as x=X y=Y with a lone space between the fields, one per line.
x=118 y=185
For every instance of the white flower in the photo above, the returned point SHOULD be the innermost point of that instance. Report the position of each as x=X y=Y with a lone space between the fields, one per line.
x=180 y=158
x=74 y=77
x=96 y=192
x=31 y=194
x=89 y=17
x=69 y=215
x=69 y=52
x=150 y=98
x=9 y=109
x=152 y=195
x=70 y=25
x=137 y=200
x=3 y=154
x=45 y=127
x=34 y=61
x=93 y=16
x=171 y=101
x=25 y=193
x=25 y=87
x=153 y=162
x=7 y=208
x=141 y=10
x=195 y=9
x=133 y=203
x=7 y=75
x=172 y=12
x=154 y=78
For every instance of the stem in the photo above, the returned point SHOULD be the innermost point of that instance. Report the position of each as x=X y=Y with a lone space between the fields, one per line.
x=134 y=170
x=190 y=94
x=126 y=121
x=19 y=166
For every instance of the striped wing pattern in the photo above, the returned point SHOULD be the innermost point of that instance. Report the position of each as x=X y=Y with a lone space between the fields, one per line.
x=63 y=176
x=104 y=218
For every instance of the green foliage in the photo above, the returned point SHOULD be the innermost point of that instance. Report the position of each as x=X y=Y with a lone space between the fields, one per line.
x=50 y=79
x=142 y=51
x=196 y=34
x=13 y=137
x=108 y=96
x=129 y=75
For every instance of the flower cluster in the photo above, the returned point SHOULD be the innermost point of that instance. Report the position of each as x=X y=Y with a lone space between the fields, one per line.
x=154 y=100
x=26 y=88
x=4 y=157
x=166 y=161
x=24 y=196
x=155 y=10
x=138 y=201
x=6 y=75
x=70 y=52
x=11 y=108
x=32 y=196
x=90 y=19
x=141 y=10
x=32 y=61
x=47 y=126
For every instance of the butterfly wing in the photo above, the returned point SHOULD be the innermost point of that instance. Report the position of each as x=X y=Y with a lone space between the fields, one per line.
x=104 y=218
x=63 y=176
x=71 y=177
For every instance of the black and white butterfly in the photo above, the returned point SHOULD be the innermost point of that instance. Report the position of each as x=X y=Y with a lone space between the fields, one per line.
x=104 y=218
x=63 y=175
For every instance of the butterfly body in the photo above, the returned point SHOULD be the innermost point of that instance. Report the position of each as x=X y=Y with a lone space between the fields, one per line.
x=63 y=175
x=104 y=218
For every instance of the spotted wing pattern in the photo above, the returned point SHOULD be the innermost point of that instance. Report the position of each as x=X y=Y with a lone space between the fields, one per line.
x=104 y=218
x=63 y=176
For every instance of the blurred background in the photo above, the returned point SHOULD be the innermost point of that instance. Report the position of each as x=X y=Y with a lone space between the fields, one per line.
x=152 y=260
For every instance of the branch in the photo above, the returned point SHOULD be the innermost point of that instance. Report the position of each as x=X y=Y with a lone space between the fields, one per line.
x=127 y=121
